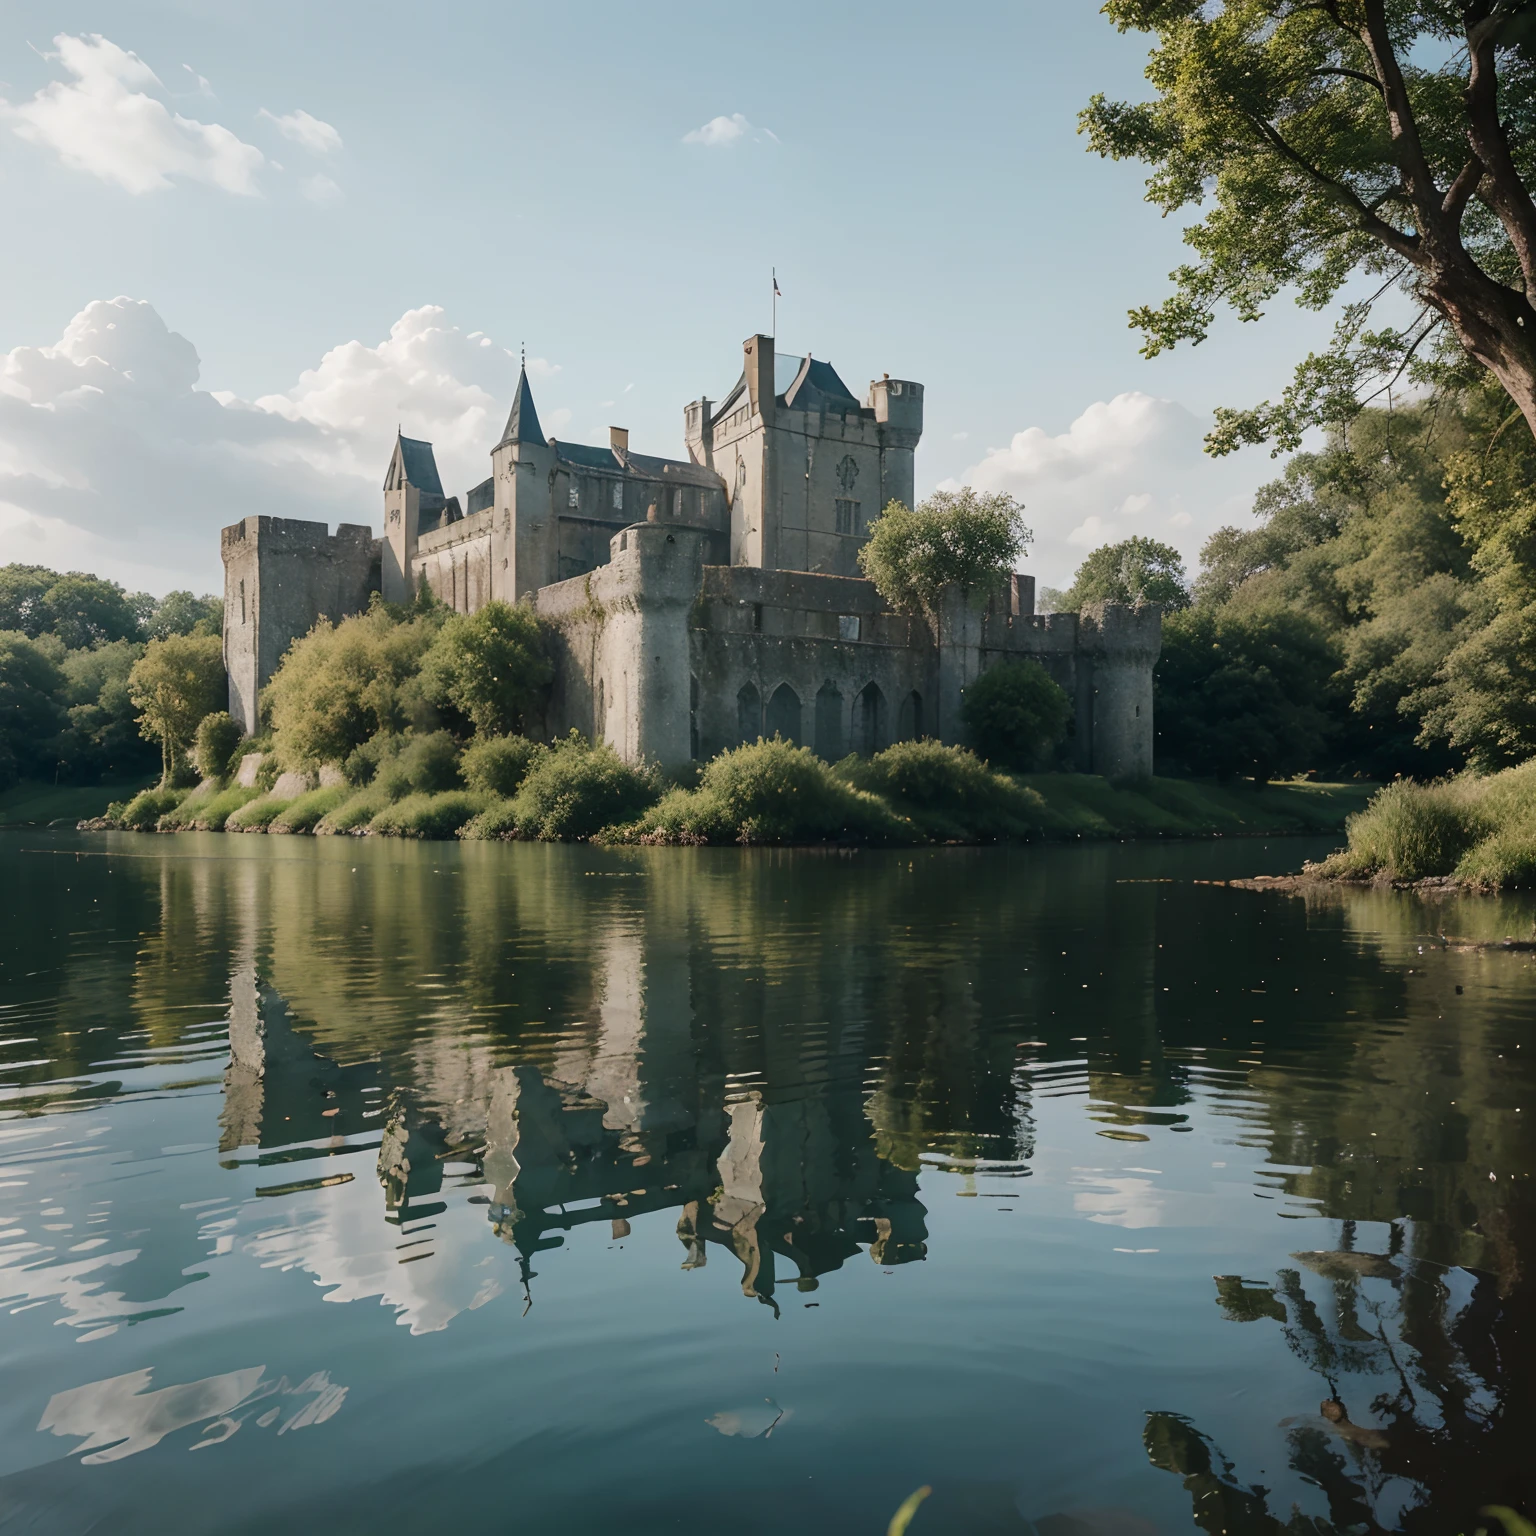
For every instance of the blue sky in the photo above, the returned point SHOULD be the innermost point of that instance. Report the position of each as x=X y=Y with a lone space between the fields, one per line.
x=355 y=214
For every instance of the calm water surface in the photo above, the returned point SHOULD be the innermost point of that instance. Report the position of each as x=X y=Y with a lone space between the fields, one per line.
x=350 y=1185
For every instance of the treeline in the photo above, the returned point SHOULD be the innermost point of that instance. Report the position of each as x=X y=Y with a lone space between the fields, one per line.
x=91 y=675
x=1377 y=618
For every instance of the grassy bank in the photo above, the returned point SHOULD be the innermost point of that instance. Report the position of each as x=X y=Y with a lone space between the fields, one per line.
x=767 y=793
x=1479 y=832
x=30 y=804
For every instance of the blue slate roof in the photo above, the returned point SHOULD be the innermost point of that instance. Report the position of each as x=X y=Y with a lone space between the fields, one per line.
x=420 y=465
x=480 y=497
x=523 y=422
x=817 y=388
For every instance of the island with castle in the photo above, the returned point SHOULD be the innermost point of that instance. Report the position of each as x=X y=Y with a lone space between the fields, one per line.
x=699 y=603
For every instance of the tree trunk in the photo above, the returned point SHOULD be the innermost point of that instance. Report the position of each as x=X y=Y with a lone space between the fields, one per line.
x=1488 y=321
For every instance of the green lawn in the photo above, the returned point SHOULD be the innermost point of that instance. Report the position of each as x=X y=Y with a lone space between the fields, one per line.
x=1085 y=805
x=33 y=804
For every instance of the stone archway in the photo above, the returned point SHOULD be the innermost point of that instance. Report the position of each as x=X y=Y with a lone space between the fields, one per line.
x=870 y=732
x=783 y=715
x=828 y=734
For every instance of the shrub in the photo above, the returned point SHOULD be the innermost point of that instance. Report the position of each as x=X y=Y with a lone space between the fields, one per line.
x=428 y=815
x=430 y=764
x=497 y=765
x=576 y=790
x=947 y=791
x=1503 y=859
x=143 y=812
x=491 y=665
x=1410 y=831
x=354 y=813
x=769 y=792
x=1016 y=714
x=256 y=815
x=342 y=684
x=304 y=814
x=213 y=748
x=214 y=812
x=184 y=814
x=496 y=823
x=362 y=764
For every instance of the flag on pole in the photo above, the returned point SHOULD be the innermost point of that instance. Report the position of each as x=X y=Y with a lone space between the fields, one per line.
x=776 y=292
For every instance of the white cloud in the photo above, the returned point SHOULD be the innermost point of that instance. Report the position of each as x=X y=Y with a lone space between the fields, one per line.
x=113 y=459
x=320 y=189
x=104 y=120
x=318 y=137
x=723 y=132
x=1131 y=465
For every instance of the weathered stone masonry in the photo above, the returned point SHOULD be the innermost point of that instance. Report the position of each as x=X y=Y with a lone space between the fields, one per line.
x=697 y=604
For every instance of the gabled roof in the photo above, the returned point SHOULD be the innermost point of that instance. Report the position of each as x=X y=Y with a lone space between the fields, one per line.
x=523 y=422
x=420 y=465
x=642 y=466
x=817 y=388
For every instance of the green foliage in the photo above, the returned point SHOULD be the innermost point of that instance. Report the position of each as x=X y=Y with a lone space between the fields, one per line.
x=213 y=748
x=1243 y=693
x=30 y=712
x=174 y=684
x=258 y=814
x=1410 y=831
x=1330 y=143
x=497 y=765
x=497 y=823
x=769 y=792
x=948 y=793
x=1136 y=570
x=143 y=812
x=429 y=764
x=966 y=539
x=81 y=610
x=428 y=815
x=492 y=666
x=577 y=789
x=305 y=813
x=355 y=812
x=101 y=737
x=343 y=683
x=180 y=613
x=1016 y=714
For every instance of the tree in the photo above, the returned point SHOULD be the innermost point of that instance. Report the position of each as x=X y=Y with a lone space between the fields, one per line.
x=1243 y=693
x=213 y=751
x=79 y=608
x=1015 y=714
x=490 y=665
x=101 y=737
x=1136 y=570
x=174 y=684
x=1340 y=140
x=343 y=683
x=180 y=613
x=967 y=539
x=30 y=712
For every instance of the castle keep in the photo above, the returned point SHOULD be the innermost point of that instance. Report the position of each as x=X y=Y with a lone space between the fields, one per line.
x=702 y=602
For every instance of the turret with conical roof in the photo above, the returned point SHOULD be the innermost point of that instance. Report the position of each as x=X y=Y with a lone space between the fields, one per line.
x=523 y=421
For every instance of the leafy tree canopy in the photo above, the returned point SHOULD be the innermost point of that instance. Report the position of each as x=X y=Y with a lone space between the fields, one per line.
x=1385 y=143
x=1136 y=570
x=490 y=665
x=174 y=684
x=1016 y=714
x=967 y=539
x=30 y=714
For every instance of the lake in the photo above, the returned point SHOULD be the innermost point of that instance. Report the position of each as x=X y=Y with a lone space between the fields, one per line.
x=356 y=1184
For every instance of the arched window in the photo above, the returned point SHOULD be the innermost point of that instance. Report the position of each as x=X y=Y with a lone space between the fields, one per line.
x=869 y=727
x=749 y=713
x=829 y=722
x=909 y=727
x=783 y=714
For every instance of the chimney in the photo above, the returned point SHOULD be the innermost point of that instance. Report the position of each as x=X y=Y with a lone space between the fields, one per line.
x=757 y=355
x=618 y=440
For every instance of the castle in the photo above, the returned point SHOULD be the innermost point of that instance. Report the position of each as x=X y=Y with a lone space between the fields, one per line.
x=701 y=602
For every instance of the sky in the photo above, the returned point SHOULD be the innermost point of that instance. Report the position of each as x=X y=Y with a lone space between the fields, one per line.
x=246 y=242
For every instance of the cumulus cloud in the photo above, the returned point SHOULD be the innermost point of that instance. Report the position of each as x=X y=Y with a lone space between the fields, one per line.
x=112 y=458
x=320 y=189
x=1130 y=465
x=723 y=132
x=105 y=120
x=310 y=133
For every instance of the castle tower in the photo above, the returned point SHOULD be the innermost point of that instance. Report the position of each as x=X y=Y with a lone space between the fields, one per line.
x=807 y=467
x=523 y=533
x=411 y=487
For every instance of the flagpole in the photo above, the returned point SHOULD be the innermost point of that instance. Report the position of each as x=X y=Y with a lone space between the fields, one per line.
x=774 y=280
